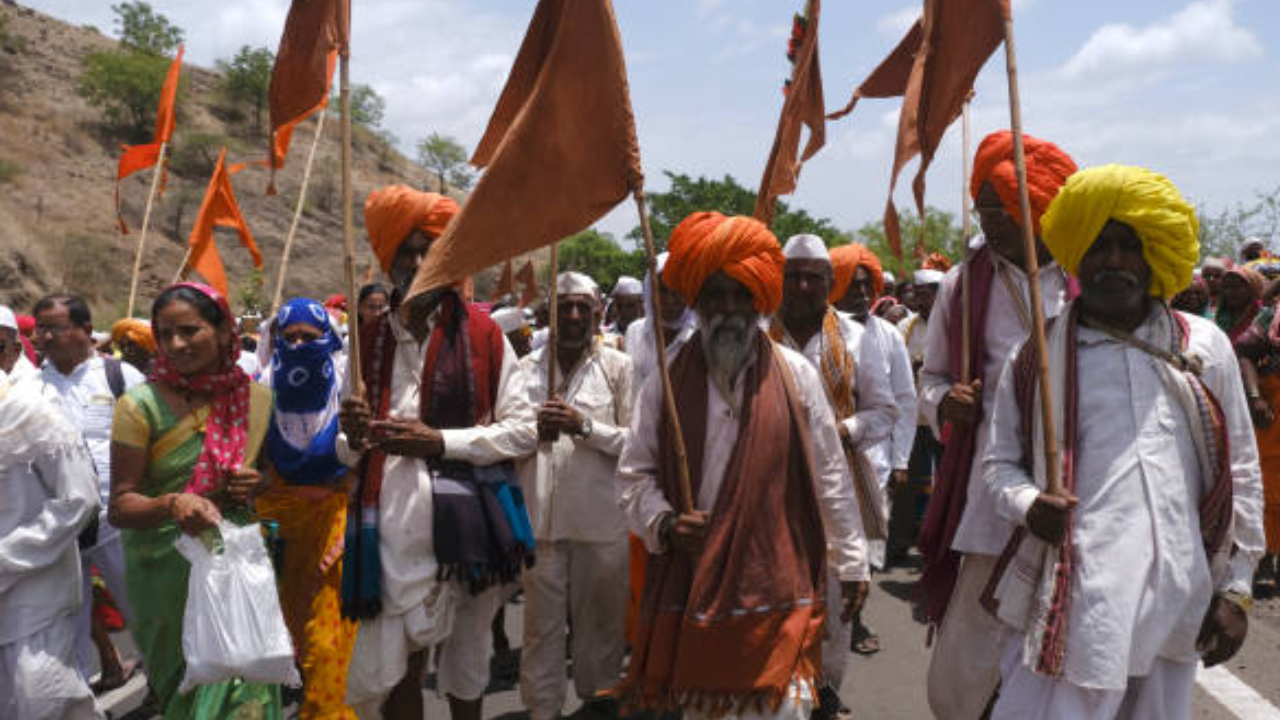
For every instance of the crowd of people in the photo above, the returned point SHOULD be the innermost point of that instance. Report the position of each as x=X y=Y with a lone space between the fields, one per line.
x=700 y=540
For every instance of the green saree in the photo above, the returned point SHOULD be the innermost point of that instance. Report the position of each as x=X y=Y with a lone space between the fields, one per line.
x=156 y=574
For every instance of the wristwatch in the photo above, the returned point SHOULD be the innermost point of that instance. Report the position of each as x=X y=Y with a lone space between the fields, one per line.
x=584 y=430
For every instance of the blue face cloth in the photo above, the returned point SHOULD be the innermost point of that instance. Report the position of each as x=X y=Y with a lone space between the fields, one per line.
x=305 y=383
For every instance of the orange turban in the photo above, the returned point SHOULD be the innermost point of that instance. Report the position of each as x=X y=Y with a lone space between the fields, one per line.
x=1047 y=170
x=845 y=261
x=707 y=242
x=135 y=331
x=392 y=213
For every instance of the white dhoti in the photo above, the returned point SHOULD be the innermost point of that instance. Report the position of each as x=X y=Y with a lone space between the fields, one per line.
x=383 y=646
x=586 y=584
x=1164 y=694
x=462 y=663
x=38 y=679
x=964 y=670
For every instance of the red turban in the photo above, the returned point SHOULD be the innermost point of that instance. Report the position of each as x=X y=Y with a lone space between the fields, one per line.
x=1047 y=170
x=707 y=242
x=392 y=213
x=845 y=261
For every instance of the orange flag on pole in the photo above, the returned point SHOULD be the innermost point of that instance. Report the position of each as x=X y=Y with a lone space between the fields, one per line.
x=957 y=37
x=560 y=148
x=506 y=282
x=140 y=157
x=315 y=32
x=526 y=277
x=890 y=77
x=803 y=105
x=219 y=209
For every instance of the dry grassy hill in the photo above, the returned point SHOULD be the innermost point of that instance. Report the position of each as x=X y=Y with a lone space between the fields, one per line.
x=57 y=169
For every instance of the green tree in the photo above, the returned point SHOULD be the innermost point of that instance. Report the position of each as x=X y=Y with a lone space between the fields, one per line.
x=367 y=106
x=942 y=233
x=247 y=78
x=444 y=156
x=688 y=195
x=1223 y=233
x=597 y=254
x=144 y=30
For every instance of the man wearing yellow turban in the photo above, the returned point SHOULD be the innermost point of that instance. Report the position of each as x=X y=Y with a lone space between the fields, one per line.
x=133 y=339
x=763 y=450
x=1141 y=567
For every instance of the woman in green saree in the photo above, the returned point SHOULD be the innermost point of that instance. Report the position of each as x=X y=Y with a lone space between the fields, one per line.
x=184 y=450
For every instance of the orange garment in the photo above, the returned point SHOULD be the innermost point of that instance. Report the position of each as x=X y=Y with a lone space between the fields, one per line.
x=707 y=242
x=936 y=261
x=312 y=522
x=135 y=331
x=392 y=213
x=845 y=261
x=1269 y=459
x=1048 y=168
x=219 y=209
x=140 y=157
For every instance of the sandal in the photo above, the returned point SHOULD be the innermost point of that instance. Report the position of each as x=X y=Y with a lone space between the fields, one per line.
x=106 y=684
x=865 y=642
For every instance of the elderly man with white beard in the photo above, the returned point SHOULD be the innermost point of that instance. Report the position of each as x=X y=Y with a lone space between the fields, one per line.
x=580 y=534
x=734 y=596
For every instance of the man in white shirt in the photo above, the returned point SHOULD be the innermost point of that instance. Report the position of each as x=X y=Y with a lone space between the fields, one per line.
x=1115 y=587
x=678 y=325
x=581 y=535
x=956 y=395
x=50 y=495
x=627 y=301
x=85 y=386
x=857 y=387
x=445 y=413
x=13 y=359
x=730 y=624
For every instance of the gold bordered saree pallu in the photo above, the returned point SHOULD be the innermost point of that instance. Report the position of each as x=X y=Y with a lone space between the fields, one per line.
x=728 y=629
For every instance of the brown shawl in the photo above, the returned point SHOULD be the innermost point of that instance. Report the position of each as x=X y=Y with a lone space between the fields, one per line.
x=728 y=629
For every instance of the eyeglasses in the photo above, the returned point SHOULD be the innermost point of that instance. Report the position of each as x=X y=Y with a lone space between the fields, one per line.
x=52 y=329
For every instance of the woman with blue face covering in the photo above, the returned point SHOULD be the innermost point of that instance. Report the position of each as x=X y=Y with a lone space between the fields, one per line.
x=309 y=498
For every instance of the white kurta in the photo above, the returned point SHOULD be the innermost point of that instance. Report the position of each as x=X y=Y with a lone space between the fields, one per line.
x=643 y=502
x=894 y=451
x=1141 y=581
x=644 y=358
x=915 y=331
x=982 y=530
x=568 y=485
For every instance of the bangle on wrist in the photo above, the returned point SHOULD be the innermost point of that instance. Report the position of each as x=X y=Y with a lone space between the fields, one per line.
x=1240 y=600
x=664 y=528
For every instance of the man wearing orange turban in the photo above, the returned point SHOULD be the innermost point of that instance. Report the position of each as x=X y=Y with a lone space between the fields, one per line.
x=393 y=213
x=765 y=452
x=956 y=393
x=133 y=339
x=845 y=261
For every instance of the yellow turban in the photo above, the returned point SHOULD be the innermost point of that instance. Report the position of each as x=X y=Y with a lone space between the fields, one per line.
x=1145 y=201
x=392 y=213
x=136 y=331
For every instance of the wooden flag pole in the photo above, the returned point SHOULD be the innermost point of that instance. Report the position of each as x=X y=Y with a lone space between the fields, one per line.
x=660 y=345
x=297 y=214
x=354 y=378
x=1053 y=481
x=142 y=235
x=553 y=321
x=966 y=164
x=182 y=269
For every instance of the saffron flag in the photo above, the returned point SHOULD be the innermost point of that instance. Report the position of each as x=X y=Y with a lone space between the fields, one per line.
x=889 y=79
x=315 y=32
x=140 y=157
x=560 y=148
x=529 y=281
x=506 y=282
x=803 y=105
x=957 y=37
x=219 y=209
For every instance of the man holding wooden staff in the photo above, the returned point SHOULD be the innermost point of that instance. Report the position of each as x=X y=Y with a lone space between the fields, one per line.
x=957 y=385
x=444 y=414
x=1114 y=588
x=734 y=598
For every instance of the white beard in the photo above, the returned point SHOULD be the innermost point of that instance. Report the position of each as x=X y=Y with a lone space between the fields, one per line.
x=727 y=342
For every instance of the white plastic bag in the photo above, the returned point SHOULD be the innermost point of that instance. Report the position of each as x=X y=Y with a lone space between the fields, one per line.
x=233 y=626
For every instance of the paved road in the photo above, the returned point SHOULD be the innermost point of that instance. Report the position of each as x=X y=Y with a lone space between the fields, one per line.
x=891 y=684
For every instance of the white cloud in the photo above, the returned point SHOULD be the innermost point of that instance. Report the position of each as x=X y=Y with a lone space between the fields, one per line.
x=897 y=23
x=1202 y=31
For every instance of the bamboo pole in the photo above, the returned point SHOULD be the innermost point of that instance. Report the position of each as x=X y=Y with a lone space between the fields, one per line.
x=660 y=345
x=354 y=378
x=146 y=222
x=182 y=269
x=966 y=165
x=1053 y=480
x=297 y=215
x=553 y=321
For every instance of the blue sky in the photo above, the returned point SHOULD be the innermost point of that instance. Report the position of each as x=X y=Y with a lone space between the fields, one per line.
x=1189 y=88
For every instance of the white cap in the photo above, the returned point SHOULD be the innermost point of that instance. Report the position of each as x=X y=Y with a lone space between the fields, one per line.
x=509 y=319
x=627 y=285
x=926 y=277
x=575 y=283
x=889 y=279
x=806 y=247
x=7 y=318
